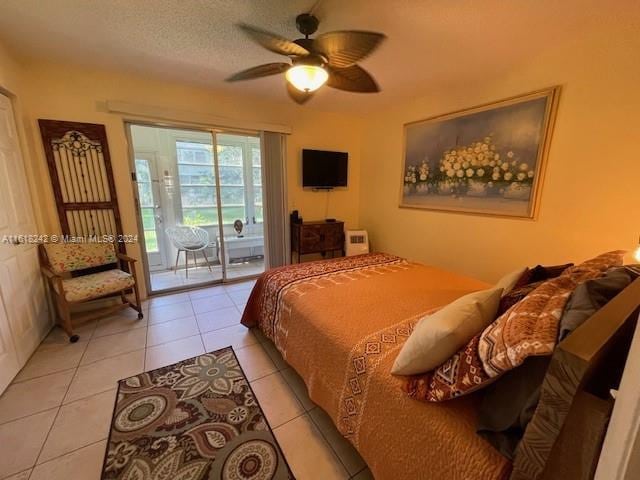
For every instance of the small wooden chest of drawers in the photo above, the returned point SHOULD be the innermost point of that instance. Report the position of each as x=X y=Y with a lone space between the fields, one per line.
x=316 y=237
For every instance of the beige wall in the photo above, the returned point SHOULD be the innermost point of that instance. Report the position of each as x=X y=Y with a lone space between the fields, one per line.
x=66 y=93
x=591 y=193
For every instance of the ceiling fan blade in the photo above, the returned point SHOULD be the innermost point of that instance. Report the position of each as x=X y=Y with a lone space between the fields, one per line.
x=352 y=79
x=298 y=96
x=345 y=48
x=273 y=42
x=259 y=71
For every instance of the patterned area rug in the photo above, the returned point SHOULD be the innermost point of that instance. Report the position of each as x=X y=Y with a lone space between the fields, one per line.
x=195 y=420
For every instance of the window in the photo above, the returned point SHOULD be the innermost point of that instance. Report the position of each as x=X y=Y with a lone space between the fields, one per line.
x=239 y=166
x=197 y=183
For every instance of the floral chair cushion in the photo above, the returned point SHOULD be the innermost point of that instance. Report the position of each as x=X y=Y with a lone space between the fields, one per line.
x=68 y=257
x=95 y=285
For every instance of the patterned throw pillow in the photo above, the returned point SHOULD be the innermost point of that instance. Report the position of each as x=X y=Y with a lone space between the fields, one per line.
x=531 y=326
x=528 y=328
x=528 y=282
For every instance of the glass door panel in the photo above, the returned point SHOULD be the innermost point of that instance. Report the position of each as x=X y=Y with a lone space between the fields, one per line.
x=178 y=206
x=150 y=211
x=240 y=168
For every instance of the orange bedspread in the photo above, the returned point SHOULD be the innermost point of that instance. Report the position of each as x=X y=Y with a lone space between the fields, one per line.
x=340 y=324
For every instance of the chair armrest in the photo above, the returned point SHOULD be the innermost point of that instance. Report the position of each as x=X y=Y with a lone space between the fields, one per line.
x=126 y=258
x=52 y=277
x=47 y=272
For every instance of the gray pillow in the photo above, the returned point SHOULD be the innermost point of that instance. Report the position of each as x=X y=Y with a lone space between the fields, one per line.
x=509 y=403
x=590 y=296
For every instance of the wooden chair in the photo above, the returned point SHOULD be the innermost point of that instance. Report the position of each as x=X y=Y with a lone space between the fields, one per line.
x=79 y=273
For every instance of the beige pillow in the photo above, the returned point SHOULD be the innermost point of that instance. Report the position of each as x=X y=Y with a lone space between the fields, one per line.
x=509 y=280
x=437 y=337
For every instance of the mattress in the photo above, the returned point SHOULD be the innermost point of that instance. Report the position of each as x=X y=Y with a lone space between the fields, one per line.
x=340 y=324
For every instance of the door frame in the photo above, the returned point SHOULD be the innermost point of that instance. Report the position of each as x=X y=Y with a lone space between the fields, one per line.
x=152 y=160
x=213 y=131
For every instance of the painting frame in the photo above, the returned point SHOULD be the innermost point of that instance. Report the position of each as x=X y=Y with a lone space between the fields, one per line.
x=551 y=95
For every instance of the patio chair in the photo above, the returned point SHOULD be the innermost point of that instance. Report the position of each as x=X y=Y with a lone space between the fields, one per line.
x=189 y=239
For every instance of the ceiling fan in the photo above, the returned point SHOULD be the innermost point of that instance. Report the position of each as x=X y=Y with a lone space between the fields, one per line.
x=330 y=58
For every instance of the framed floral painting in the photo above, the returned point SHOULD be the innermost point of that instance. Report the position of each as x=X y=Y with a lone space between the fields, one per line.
x=484 y=160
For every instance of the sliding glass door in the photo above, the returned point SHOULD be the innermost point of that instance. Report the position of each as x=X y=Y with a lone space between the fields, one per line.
x=200 y=205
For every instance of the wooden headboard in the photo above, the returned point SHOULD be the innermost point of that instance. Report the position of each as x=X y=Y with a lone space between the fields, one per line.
x=565 y=441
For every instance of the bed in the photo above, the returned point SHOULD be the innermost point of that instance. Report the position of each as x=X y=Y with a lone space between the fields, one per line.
x=340 y=324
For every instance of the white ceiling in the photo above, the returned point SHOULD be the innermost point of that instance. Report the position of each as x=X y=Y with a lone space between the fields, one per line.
x=430 y=42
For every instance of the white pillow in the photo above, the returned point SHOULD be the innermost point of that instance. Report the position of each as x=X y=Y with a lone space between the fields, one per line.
x=437 y=337
x=509 y=280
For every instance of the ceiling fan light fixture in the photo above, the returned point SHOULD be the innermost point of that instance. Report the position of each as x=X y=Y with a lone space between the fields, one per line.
x=307 y=78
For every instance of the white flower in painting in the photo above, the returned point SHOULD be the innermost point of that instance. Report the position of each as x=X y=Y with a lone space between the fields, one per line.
x=460 y=173
x=496 y=169
x=446 y=165
x=510 y=154
x=413 y=180
x=442 y=169
x=508 y=176
x=423 y=177
x=522 y=176
x=514 y=163
x=505 y=166
x=484 y=147
x=490 y=184
x=492 y=163
x=465 y=165
x=456 y=166
x=481 y=156
x=524 y=167
x=480 y=172
x=496 y=156
x=530 y=174
x=469 y=150
x=496 y=176
x=450 y=173
x=487 y=139
x=477 y=149
x=469 y=172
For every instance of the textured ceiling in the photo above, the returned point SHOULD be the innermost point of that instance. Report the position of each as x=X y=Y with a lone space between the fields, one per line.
x=430 y=42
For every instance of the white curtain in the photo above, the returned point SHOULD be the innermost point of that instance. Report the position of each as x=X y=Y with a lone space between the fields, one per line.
x=276 y=215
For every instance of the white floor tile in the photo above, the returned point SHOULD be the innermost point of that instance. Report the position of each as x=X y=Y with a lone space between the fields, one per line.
x=49 y=359
x=277 y=400
x=79 y=424
x=32 y=396
x=114 y=345
x=255 y=362
x=209 y=304
x=24 y=438
x=308 y=454
x=167 y=313
x=104 y=375
x=122 y=322
x=161 y=300
x=217 y=319
x=82 y=464
x=237 y=336
x=170 y=331
x=173 y=352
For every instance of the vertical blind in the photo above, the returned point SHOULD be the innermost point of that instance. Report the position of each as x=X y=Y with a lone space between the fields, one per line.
x=275 y=196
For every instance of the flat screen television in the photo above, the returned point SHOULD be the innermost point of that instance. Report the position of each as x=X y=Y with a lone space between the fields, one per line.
x=323 y=169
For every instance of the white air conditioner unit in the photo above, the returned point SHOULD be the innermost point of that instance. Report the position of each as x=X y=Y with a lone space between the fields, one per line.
x=357 y=242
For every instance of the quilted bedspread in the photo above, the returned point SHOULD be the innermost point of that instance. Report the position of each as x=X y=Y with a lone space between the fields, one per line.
x=340 y=324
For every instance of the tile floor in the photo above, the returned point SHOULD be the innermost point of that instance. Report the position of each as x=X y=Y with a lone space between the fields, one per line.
x=56 y=415
x=164 y=279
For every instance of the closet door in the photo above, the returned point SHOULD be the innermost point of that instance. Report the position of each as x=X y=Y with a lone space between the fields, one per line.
x=23 y=309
